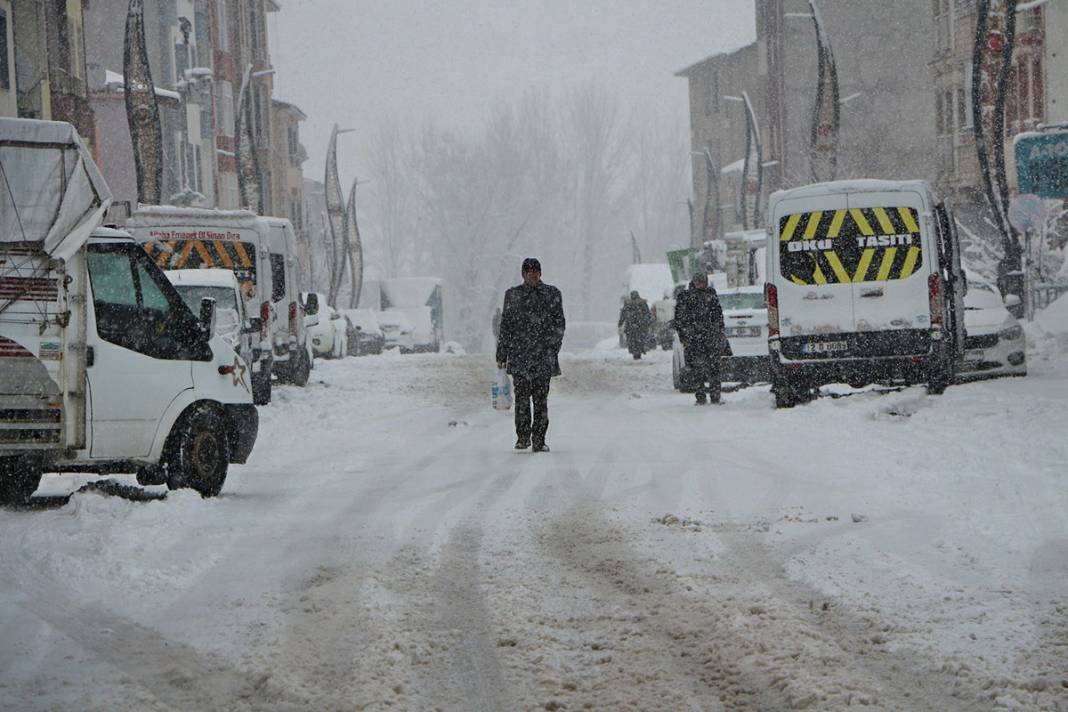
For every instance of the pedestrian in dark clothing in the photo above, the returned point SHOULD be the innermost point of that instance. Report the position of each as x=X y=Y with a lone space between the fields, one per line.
x=699 y=322
x=532 y=331
x=497 y=323
x=635 y=319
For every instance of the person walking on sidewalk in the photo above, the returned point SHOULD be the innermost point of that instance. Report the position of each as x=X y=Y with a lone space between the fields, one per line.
x=635 y=320
x=699 y=321
x=532 y=332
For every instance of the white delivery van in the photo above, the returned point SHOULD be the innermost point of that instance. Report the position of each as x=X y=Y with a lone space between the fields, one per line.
x=420 y=300
x=231 y=319
x=864 y=285
x=195 y=238
x=103 y=368
x=290 y=338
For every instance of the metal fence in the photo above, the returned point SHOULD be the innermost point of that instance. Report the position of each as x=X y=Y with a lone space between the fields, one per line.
x=1044 y=293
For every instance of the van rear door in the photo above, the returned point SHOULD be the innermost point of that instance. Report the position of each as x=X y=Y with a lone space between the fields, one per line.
x=892 y=246
x=815 y=290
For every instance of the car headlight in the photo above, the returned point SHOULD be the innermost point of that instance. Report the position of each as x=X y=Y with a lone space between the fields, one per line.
x=1011 y=334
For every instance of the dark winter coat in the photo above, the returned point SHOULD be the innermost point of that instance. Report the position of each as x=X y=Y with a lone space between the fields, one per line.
x=635 y=316
x=699 y=321
x=532 y=331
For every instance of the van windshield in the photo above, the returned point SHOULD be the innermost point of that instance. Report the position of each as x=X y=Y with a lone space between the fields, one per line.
x=850 y=245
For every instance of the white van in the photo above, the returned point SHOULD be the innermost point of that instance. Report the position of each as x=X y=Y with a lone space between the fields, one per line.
x=231 y=320
x=195 y=238
x=864 y=285
x=103 y=367
x=291 y=361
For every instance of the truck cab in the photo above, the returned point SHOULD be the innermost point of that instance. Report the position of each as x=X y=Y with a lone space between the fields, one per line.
x=103 y=367
x=864 y=285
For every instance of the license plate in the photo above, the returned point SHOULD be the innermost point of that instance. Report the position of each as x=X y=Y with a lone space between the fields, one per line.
x=821 y=347
x=744 y=331
x=973 y=355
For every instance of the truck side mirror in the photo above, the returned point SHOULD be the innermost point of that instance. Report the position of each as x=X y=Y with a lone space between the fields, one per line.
x=311 y=304
x=207 y=316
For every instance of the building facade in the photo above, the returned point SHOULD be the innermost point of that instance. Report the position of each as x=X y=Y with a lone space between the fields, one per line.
x=880 y=52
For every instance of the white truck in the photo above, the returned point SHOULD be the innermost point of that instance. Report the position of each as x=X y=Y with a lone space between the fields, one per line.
x=262 y=253
x=103 y=368
x=864 y=285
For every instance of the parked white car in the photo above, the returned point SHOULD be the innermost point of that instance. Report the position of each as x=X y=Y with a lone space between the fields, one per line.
x=994 y=341
x=745 y=319
x=397 y=330
x=328 y=336
x=368 y=338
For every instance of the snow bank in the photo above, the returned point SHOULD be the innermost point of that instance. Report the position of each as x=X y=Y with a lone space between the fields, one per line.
x=1053 y=320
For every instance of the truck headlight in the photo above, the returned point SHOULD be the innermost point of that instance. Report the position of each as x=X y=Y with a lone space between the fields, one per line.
x=1011 y=334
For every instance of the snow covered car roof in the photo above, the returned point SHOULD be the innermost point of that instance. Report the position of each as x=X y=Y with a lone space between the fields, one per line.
x=203 y=277
x=54 y=193
x=159 y=215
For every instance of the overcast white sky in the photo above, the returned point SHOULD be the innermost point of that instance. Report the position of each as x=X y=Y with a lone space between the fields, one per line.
x=356 y=62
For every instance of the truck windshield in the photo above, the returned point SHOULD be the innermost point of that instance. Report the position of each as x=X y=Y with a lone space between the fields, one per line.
x=850 y=245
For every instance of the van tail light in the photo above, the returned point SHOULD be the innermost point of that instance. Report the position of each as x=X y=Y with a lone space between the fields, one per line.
x=771 y=296
x=293 y=318
x=934 y=298
x=265 y=314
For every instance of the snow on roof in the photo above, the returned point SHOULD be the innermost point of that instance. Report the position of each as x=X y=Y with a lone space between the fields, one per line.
x=409 y=291
x=171 y=215
x=866 y=185
x=114 y=80
x=55 y=194
x=203 y=277
x=650 y=280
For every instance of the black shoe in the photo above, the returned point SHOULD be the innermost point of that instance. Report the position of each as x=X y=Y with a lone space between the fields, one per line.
x=540 y=447
x=700 y=399
x=522 y=444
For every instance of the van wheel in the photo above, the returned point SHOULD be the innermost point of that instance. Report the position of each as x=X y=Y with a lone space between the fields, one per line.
x=19 y=478
x=200 y=456
x=786 y=395
x=301 y=369
x=261 y=388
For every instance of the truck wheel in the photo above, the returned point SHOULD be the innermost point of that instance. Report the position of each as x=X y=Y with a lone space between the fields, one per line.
x=201 y=453
x=300 y=369
x=19 y=478
x=261 y=388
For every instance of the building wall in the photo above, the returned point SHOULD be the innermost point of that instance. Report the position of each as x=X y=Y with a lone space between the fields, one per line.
x=1057 y=62
x=8 y=85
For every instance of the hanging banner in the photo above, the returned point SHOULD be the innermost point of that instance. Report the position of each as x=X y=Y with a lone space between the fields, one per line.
x=142 y=108
x=249 y=182
x=823 y=143
x=752 y=170
x=995 y=31
x=336 y=219
x=354 y=250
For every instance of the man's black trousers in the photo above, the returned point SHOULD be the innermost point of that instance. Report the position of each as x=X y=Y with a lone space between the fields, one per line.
x=527 y=391
x=704 y=371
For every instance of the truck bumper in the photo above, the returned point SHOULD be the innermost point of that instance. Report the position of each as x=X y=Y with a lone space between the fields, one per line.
x=244 y=421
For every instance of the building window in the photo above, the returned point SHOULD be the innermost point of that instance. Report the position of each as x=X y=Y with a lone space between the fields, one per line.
x=943 y=26
x=226 y=108
x=294 y=143
x=5 y=68
x=223 y=11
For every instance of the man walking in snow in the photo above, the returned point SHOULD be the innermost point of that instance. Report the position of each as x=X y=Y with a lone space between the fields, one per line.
x=635 y=319
x=532 y=331
x=699 y=321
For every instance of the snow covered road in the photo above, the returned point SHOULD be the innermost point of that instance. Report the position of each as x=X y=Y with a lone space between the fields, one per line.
x=386 y=548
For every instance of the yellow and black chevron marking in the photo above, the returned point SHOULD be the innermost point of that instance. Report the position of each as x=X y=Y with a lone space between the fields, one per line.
x=202 y=254
x=850 y=245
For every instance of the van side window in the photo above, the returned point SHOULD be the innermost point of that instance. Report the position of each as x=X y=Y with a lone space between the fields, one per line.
x=278 y=277
x=136 y=311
